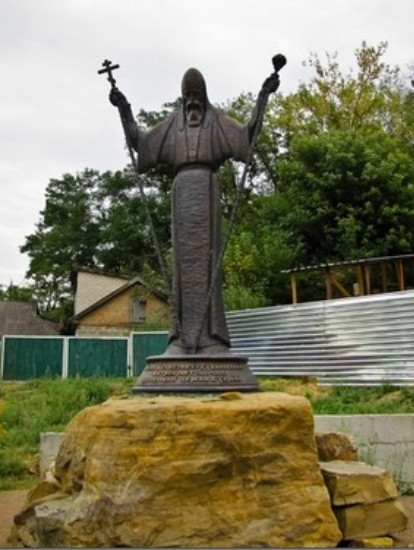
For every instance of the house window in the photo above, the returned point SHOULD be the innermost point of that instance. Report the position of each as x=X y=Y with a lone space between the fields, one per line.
x=139 y=309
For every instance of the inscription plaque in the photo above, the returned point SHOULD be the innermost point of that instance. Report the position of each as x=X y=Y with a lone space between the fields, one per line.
x=196 y=374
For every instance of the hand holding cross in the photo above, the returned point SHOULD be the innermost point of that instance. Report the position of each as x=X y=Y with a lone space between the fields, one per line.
x=116 y=97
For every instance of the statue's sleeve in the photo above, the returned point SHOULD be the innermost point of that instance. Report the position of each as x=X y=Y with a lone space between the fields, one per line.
x=150 y=145
x=234 y=137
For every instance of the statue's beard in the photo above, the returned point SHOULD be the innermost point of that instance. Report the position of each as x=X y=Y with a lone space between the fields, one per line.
x=194 y=114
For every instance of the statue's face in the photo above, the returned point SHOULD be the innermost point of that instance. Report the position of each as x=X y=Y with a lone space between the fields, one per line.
x=194 y=107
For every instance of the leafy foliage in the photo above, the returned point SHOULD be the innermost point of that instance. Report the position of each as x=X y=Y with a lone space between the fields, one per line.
x=16 y=293
x=349 y=194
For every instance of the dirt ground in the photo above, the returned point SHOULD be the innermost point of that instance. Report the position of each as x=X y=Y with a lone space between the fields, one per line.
x=12 y=501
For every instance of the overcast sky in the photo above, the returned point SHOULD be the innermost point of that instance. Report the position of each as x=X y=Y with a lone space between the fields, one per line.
x=54 y=114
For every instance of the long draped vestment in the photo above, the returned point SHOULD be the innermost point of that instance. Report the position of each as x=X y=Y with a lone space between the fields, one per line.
x=195 y=153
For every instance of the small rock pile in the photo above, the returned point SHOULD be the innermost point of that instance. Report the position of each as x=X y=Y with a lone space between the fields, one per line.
x=364 y=498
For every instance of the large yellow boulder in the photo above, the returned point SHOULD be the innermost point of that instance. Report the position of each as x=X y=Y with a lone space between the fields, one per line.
x=237 y=471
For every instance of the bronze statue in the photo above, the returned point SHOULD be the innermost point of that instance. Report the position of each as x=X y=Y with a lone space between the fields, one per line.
x=195 y=140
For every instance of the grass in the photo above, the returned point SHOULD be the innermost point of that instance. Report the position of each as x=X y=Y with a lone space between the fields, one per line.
x=47 y=405
x=384 y=399
x=44 y=405
x=378 y=400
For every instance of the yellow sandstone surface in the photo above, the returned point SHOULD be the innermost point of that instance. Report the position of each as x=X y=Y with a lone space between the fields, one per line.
x=378 y=542
x=335 y=446
x=237 y=471
x=357 y=483
x=363 y=521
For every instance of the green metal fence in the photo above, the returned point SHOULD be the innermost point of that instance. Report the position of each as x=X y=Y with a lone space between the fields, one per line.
x=24 y=358
x=145 y=344
x=97 y=357
x=30 y=357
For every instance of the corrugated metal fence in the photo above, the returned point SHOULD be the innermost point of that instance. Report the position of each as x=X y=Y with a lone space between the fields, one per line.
x=348 y=341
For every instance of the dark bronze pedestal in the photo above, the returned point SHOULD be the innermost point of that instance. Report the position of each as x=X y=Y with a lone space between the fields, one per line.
x=195 y=374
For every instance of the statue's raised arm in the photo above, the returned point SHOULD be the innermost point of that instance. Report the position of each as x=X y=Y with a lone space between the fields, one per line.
x=269 y=86
x=132 y=130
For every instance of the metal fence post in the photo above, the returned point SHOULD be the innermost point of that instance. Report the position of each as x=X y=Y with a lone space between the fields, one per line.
x=130 y=357
x=1 y=357
x=65 y=357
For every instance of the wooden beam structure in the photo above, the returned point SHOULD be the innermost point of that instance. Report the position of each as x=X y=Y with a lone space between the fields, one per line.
x=293 y=288
x=360 y=280
x=384 y=276
x=331 y=280
x=328 y=285
x=372 y=275
x=399 y=267
x=366 y=268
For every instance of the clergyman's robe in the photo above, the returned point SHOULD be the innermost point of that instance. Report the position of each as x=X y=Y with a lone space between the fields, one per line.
x=195 y=153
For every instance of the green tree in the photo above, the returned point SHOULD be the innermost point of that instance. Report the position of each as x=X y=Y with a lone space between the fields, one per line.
x=332 y=178
x=65 y=236
x=349 y=194
x=90 y=220
x=16 y=293
x=372 y=96
x=126 y=244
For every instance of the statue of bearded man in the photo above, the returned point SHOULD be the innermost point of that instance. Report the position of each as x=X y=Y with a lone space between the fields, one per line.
x=195 y=140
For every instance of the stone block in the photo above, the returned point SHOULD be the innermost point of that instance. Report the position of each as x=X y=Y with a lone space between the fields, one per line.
x=363 y=521
x=384 y=440
x=171 y=471
x=335 y=446
x=357 y=483
x=49 y=446
x=377 y=542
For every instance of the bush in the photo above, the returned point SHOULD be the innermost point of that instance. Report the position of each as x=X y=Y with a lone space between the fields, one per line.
x=11 y=465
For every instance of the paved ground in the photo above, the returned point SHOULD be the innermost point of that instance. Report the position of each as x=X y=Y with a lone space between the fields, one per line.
x=12 y=501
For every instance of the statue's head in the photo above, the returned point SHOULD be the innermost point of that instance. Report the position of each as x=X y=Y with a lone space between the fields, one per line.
x=194 y=96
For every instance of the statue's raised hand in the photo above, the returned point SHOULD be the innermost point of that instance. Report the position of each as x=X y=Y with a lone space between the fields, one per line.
x=117 y=98
x=271 y=84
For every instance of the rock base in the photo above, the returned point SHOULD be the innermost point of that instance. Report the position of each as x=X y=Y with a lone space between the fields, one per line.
x=236 y=470
x=195 y=374
x=365 y=500
x=371 y=520
x=352 y=483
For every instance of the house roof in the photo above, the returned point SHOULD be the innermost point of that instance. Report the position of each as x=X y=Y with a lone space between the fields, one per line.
x=94 y=271
x=21 y=318
x=116 y=292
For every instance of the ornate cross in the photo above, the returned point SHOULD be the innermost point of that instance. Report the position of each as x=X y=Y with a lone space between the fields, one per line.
x=108 y=68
